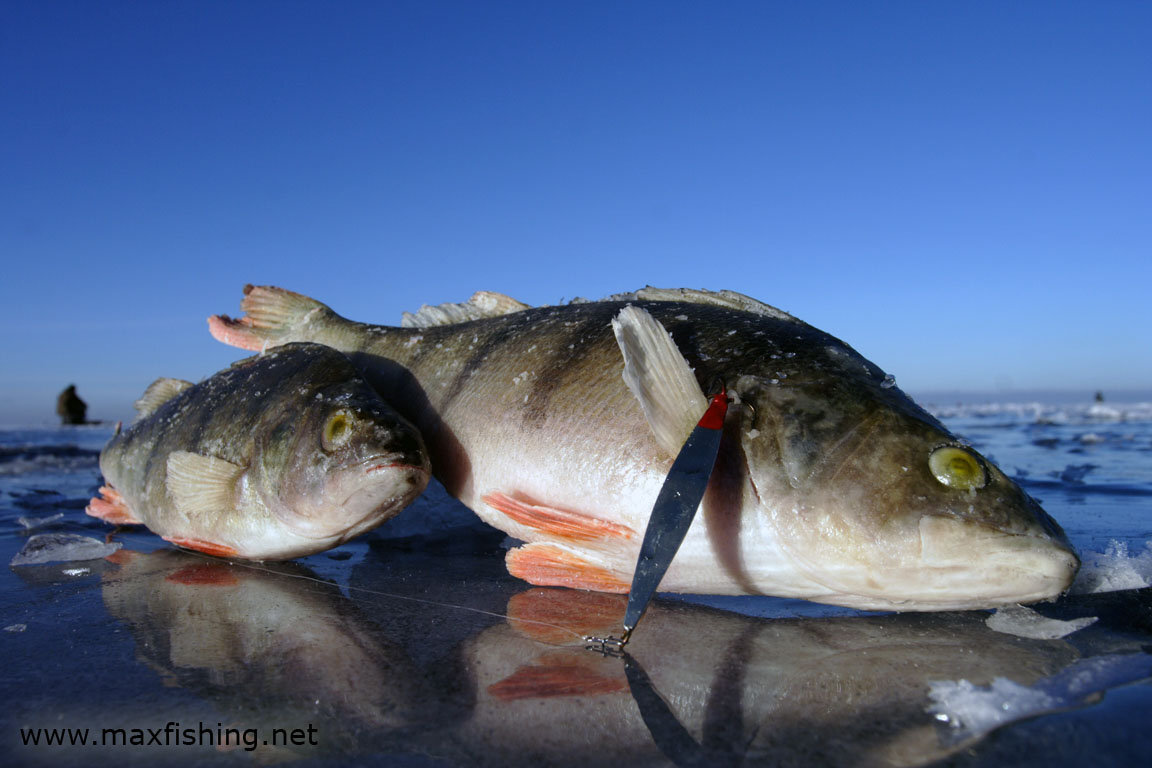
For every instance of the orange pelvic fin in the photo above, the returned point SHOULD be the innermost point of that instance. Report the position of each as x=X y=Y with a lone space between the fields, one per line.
x=204 y=574
x=557 y=675
x=559 y=523
x=547 y=565
x=110 y=507
x=560 y=616
x=207 y=547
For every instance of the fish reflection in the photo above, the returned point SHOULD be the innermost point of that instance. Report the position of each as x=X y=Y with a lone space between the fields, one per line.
x=701 y=686
x=267 y=649
x=706 y=687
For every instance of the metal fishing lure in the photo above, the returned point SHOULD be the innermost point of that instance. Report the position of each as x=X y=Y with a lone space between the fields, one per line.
x=672 y=515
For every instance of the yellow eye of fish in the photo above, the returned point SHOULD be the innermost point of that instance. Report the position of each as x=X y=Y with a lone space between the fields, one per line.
x=957 y=468
x=337 y=431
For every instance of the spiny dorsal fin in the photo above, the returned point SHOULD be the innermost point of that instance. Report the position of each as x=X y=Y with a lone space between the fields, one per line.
x=158 y=393
x=202 y=485
x=659 y=377
x=482 y=304
x=729 y=299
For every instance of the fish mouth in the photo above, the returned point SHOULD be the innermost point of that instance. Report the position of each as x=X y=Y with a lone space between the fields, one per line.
x=359 y=498
x=375 y=468
x=955 y=565
x=968 y=566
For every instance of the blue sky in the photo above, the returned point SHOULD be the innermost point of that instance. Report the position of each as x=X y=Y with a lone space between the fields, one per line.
x=961 y=191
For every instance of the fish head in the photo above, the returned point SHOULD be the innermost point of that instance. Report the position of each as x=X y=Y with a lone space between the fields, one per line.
x=873 y=499
x=342 y=465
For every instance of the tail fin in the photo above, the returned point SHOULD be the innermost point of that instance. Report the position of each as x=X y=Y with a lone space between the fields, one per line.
x=274 y=316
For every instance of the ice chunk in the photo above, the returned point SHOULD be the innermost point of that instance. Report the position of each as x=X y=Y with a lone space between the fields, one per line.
x=1025 y=622
x=15 y=627
x=31 y=523
x=62 y=547
x=1114 y=570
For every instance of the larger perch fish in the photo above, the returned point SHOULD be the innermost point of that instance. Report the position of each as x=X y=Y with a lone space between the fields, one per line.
x=559 y=424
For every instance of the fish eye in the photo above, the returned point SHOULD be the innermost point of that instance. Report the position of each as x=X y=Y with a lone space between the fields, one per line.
x=337 y=430
x=957 y=468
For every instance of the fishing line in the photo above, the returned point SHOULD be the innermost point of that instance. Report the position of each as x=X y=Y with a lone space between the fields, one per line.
x=381 y=593
x=121 y=533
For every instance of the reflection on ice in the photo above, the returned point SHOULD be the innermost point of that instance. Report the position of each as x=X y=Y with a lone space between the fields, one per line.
x=272 y=647
x=702 y=686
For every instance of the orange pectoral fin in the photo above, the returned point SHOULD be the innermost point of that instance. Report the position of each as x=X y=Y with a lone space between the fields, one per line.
x=546 y=565
x=560 y=523
x=207 y=547
x=110 y=507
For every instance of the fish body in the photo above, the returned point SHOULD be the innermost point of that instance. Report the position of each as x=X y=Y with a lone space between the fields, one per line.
x=281 y=455
x=559 y=424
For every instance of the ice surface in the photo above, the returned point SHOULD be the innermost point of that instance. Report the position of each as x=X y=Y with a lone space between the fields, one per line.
x=62 y=547
x=1025 y=622
x=1074 y=473
x=976 y=709
x=1046 y=413
x=29 y=459
x=1114 y=569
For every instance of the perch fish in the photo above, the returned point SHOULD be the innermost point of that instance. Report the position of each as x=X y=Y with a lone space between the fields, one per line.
x=281 y=455
x=558 y=425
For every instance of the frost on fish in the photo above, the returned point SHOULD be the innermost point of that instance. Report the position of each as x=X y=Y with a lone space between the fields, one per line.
x=830 y=485
x=62 y=548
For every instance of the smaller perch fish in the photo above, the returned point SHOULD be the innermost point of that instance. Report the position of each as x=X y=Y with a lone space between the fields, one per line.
x=282 y=455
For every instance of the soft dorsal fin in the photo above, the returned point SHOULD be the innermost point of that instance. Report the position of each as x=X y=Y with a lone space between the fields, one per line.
x=729 y=299
x=482 y=304
x=659 y=377
x=158 y=393
x=202 y=485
